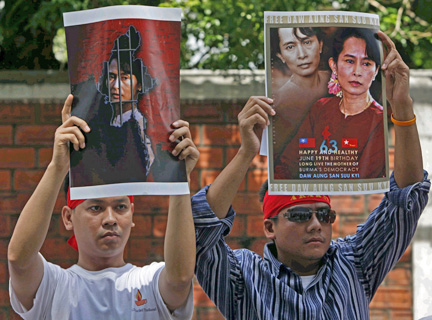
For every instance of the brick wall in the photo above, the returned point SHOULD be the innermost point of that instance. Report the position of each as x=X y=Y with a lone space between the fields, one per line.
x=26 y=135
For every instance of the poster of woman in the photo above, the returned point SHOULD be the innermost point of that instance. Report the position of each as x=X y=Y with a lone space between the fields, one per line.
x=124 y=64
x=329 y=134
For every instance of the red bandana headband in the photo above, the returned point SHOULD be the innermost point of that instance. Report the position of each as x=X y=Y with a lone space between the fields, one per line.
x=73 y=204
x=273 y=204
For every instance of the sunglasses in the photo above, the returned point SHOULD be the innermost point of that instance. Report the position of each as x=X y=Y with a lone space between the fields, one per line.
x=303 y=214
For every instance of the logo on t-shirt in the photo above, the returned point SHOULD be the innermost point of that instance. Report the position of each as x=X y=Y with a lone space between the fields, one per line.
x=139 y=300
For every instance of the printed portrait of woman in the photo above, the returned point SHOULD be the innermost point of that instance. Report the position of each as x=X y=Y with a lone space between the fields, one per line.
x=299 y=78
x=350 y=119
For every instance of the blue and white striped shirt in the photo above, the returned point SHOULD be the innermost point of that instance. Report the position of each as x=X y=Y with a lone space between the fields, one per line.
x=244 y=285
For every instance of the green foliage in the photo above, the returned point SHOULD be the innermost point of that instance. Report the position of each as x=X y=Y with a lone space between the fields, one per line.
x=215 y=34
x=230 y=34
x=28 y=28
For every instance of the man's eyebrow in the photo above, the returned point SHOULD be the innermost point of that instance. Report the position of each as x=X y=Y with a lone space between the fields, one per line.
x=99 y=201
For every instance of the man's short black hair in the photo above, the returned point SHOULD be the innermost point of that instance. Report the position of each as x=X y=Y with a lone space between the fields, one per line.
x=262 y=191
x=66 y=185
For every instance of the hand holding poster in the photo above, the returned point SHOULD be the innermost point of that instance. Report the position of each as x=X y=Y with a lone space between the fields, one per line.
x=329 y=134
x=124 y=65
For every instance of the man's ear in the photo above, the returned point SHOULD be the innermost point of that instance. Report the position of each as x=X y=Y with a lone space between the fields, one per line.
x=269 y=232
x=67 y=217
x=132 y=209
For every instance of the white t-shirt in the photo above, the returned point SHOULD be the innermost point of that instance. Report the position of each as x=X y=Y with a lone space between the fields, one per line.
x=128 y=292
x=306 y=280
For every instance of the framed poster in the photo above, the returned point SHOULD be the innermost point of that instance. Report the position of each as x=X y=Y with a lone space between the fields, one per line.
x=329 y=134
x=124 y=65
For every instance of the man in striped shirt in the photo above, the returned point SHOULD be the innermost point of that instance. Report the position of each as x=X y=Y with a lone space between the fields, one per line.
x=305 y=275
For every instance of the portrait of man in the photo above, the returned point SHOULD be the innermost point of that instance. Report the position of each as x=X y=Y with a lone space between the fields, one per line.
x=118 y=147
x=124 y=79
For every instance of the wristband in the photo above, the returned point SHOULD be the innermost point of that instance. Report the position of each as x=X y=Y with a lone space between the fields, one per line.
x=403 y=123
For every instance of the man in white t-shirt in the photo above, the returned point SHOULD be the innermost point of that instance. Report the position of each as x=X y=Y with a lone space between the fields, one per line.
x=101 y=285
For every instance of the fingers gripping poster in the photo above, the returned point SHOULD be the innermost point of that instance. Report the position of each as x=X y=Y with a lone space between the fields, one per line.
x=329 y=134
x=124 y=64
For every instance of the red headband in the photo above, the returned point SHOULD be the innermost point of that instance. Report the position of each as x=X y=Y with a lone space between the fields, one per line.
x=73 y=204
x=273 y=204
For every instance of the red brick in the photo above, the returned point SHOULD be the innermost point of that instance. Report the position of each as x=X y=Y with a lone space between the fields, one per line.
x=53 y=229
x=145 y=249
x=5 y=180
x=4 y=297
x=151 y=204
x=376 y=314
x=392 y=298
x=5 y=226
x=45 y=156
x=3 y=273
x=234 y=110
x=336 y=228
x=61 y=228
x=350 y=205
x=208 y=313
x=401 y=315
x=215 y=135
x=159 y=225
x=255 y=179
x=17 y=158
x=210 y=158
x=57 y=249
x=200 y=298
x=230 y=154
x=246 y=203
x=195 y=133
x=68 y=263
x=143 y=225
x=32 y=134
x=258 y=245
x=391 y=158
x=236 y=243
x=51 y=113
x=3 y=247
x=255 y=226
x=9 y=314
x=238 y=229
x=27 y=179
x=201 y=113
x=60 y=203
x=406 y=257
x=6 y=135
x=194 y=183
x=347 y=225
x=208 y=176
x=373 y=201
x=16 y=114
x=259 y=162
x=13 y=202
x=392 y=137
x=399 y=276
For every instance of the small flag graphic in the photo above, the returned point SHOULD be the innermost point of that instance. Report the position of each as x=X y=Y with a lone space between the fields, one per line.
x=349 y=143
x=307 y=143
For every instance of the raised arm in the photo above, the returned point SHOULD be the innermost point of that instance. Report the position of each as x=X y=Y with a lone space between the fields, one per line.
x=179 y=248
x=252 y=121
x=408 y=157
x=25 y=265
